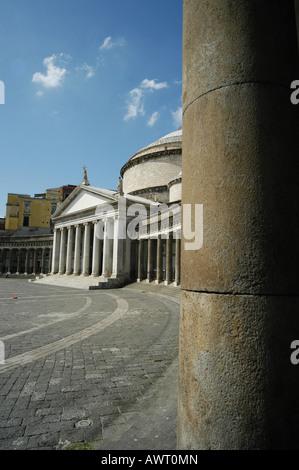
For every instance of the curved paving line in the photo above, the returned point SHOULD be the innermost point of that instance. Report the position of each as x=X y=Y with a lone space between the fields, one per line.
x=34 y=355
x=44 y=325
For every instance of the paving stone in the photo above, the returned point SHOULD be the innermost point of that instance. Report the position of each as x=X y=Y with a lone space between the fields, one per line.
x=113 y=376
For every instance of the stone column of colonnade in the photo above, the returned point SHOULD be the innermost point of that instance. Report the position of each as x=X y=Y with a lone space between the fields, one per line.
x=69 y=253
x=56 y=251
x=96 y=254
x=239 y=303
x=17 y=260
x=107 y=248
x=86 y=249
x=77 y=250
x=62 y=250
x=80 y=250
x=150 y=259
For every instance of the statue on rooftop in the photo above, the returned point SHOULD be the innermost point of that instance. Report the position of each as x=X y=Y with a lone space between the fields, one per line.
x=85 y=179
x=120 y=186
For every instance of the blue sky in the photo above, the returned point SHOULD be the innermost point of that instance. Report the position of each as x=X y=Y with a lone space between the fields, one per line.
x=87 y=82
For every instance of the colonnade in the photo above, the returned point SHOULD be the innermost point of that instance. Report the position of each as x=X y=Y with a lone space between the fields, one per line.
x=89 y=248
x=29 y=260
x=94 y=249
x=159 y=259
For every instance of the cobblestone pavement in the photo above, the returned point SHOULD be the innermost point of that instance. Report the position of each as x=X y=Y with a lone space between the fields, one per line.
x=88 y=366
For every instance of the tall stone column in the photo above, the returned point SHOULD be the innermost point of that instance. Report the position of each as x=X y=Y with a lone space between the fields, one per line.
x=70 y=247
x=107 y=248
x=56 y=251
x=139 y=265
x=18 y=261
x=50 y=260
x=177 y=259
x=149 y=260
x=77 y=255
x=86 y=250
x=168 y=260
x=26 y=261
x=119 y=247
x=34 y=265
x=159 y=259
x=96 y=250
x=62 y=253
x=43 y=260
x=239 y=303
x=9 y=261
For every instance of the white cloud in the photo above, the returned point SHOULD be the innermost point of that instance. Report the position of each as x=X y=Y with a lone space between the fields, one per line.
x=153 y=119
x=177 y=117
x=135 y=99
x=88 y=69
x=55 y=74
x=151 y=84
x=39 y=93
x=108 y=43
x=134 y=104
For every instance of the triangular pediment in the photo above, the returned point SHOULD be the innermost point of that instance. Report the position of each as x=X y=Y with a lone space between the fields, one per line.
x=83 y=199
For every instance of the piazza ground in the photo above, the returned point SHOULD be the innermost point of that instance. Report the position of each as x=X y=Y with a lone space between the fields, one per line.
x=96 y=367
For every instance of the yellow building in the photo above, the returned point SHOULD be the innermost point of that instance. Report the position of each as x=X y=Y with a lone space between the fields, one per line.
x=23 y=210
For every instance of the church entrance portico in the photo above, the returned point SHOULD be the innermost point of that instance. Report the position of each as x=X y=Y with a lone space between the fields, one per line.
x=86 y=239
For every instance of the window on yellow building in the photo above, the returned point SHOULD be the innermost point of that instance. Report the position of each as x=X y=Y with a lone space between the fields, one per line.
x=26 y=207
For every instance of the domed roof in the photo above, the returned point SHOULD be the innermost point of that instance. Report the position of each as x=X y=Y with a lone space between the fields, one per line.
x=175 y=136
x=172 y=138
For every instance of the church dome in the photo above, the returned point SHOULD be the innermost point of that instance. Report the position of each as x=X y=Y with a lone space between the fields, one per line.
x=172 y=138
x=148 y=172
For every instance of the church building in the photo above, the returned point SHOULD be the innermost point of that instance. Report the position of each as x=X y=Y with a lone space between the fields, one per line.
x=132 y=233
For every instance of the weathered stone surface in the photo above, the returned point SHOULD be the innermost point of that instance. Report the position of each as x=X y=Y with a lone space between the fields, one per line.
x=240 y=302
x=238 y=387
x=229 y=43
x=239 y=162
